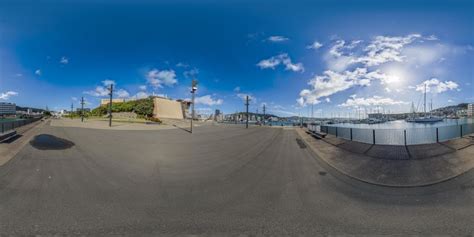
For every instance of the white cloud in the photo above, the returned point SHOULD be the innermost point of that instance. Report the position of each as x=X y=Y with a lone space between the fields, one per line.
x=108 y=82
x=277 y=38
x=142 y=87
x=315 y=45
x=74 y=98
x=7 y=95
x=191 y=73
x=386 y=49
x=38 y=72
x=237 y=89
x=158 y=78
x=99 y=91
x=328 y=100
x=371 y=101
x=243 y=96
x=180 y=64
x=380 y=50
x=269 y=63
x=436 y=86
x=64 y=60
x=332 y=82
x=121 y=93
x=281 y=59
x=208 y=100
x=141 y=95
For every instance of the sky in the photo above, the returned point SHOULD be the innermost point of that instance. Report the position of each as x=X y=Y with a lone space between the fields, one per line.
x=335 y=58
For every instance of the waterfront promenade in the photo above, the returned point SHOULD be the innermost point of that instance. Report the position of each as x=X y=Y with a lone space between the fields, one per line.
x=221 y=180
x=392 y=165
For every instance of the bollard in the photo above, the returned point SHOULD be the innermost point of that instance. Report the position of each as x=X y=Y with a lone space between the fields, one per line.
x=405 y=136
x=336 y=131
x=460 y=130
x=351 y=134
x=437 y=136
x=373 y=136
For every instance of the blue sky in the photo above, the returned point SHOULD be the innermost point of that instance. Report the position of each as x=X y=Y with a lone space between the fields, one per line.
x=337 y=56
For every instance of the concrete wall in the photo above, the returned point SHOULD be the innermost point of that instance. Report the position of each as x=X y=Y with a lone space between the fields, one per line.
x=165 y=108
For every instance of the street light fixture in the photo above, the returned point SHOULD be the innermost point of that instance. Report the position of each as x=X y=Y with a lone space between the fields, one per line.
x=194 y=84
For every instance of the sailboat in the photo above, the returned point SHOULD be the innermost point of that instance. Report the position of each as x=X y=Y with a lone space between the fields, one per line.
x=425 y=118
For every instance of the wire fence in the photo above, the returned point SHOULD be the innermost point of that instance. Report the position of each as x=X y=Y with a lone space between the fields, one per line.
x=12 y=125
x=408 y=136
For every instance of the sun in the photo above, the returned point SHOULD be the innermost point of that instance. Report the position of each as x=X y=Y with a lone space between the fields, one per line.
x=397 y=76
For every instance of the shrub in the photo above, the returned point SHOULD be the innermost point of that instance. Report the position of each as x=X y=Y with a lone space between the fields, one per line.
x=142 y=107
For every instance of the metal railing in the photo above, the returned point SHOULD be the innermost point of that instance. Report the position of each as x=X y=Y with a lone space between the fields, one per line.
x=407 y=136
x=6 y=126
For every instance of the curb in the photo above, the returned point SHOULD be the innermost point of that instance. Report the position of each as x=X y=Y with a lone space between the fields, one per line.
x=374 y=182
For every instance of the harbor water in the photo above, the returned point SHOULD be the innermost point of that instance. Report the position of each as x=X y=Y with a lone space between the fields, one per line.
x=401 y=132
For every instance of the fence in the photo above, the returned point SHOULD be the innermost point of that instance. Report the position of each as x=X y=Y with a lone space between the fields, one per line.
x=408 y=136
x=11 y=125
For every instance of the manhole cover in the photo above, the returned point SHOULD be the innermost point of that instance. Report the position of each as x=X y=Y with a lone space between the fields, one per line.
x=322 y=173
x=50 y=142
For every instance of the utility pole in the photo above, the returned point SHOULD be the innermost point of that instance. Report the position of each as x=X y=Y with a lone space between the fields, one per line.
x=82 y=109
x=72 y=108
x=247 y=111
x=263 y=114
x=193 y=91
x=111 y=90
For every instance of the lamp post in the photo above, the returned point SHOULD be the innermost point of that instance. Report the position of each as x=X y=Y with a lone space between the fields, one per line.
x=72 y=109
x=82 y=109
x=111 y=90
x=247 y=111
x=193 y=91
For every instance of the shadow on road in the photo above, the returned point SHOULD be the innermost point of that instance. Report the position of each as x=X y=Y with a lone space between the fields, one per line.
x=184 y=129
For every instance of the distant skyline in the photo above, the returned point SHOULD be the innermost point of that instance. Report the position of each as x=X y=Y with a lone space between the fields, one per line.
x=339 y=56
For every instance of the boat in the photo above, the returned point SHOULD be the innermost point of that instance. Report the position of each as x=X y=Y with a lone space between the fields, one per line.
x=426 y=118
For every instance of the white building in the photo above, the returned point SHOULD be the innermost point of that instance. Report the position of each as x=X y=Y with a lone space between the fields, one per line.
x=470 y=110
x=7 y=108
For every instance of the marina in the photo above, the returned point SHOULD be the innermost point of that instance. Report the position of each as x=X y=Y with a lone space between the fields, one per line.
x=401 y=132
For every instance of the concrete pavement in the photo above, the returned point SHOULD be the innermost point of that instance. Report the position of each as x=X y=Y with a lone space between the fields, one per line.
x=219 y=180
x=357 y=160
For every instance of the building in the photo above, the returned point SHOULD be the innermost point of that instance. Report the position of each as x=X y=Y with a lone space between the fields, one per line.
x=168 y=108
x=106 y=101
x=7 y=109
x=470 y=110
x=218 y=115
x=461 y=112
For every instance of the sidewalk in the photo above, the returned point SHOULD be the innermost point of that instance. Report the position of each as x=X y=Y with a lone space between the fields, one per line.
x=395 y=166
x=121 y=125
x=8 y=149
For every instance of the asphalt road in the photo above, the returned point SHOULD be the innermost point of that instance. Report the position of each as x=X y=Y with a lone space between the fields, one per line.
x=219 y=180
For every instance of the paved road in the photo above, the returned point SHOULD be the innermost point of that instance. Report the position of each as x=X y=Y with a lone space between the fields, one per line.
x=220 y=180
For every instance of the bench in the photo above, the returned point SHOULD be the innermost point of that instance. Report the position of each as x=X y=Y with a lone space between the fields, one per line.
x=318 y=135
x=6 y=135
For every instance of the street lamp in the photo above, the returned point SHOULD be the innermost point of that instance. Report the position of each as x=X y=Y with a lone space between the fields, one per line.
x=111 y=91
x=193 y=91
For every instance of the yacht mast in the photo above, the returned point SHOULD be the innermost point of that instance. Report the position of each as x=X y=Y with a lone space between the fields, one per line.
x=424 y=101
